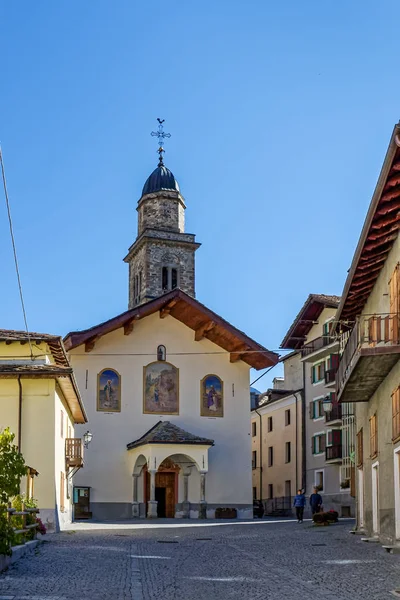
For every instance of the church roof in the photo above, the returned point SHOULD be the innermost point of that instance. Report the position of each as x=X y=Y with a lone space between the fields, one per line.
x=165 y=432
x=205 y=323
x=160 y=179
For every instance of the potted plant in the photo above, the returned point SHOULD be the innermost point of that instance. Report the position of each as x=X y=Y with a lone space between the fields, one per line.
x=345 y=484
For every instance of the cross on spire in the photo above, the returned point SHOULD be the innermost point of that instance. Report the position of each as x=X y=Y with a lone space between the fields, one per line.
x=160 y=133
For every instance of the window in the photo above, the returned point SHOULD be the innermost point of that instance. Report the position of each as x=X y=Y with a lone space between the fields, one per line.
x=62 y=424
x=318 y=372
x=254 y=459
x=270 y=456
x=360 y=449
x=62 y=492
x=318 y=443
x=269 y=424
x=161 y=353
x=254 y=493
x=287 y=452
x=69 y=431
x=170 y=278
x=317 y=408
x=396 y=414
x=270 y=491
x=319 y=480
x=287 y=417
x=334 y=437
x=373 y=436
x=288 y=488
x=254 y=429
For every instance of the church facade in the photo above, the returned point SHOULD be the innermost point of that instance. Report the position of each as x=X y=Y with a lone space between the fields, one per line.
x=165 y=385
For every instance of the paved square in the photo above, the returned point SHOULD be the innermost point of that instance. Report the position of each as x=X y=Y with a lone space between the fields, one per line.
x=254 y=561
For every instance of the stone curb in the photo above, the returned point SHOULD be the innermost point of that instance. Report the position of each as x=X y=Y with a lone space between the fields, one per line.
x=17 y=553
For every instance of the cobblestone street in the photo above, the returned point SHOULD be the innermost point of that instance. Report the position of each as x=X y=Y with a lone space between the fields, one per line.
x=244 y=561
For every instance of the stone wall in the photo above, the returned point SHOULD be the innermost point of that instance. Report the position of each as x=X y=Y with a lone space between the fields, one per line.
x=162 y=210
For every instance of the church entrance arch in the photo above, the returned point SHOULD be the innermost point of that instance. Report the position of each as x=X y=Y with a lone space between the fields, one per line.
x=166 y=488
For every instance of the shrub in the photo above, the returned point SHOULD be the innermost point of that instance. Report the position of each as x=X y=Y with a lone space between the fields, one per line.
x=12 y=466
x=18 y=520
x=6 y=532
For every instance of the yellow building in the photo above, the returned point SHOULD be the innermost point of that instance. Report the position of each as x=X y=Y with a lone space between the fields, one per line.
x=40 y=403
x=276 y=429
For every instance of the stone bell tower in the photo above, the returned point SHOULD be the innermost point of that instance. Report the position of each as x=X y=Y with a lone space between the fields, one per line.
x=162 y=256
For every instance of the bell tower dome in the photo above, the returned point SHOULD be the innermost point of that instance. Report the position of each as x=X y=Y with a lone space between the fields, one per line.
x=162 y=256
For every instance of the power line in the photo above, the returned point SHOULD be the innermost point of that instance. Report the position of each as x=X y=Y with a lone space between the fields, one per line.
x=15 y=251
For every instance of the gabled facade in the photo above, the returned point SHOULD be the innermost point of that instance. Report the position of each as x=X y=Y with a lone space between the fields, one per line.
x=369 y=369
x=41 y=404
x=328 y=435
x=170 y=365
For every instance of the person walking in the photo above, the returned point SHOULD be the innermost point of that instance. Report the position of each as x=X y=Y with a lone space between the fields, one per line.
x=299 y=504
x=315 y=501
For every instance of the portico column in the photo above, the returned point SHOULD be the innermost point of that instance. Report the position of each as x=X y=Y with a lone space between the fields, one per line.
x=152 y=503
x=185 y=503
x=135 y=503
x=202 y=503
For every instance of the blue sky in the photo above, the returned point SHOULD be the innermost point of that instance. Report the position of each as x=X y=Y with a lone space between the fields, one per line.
x=280 y=115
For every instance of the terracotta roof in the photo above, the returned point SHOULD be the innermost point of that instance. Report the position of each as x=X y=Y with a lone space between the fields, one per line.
x=379 y=231
x=193 y=314
x=310 y=311
x=165 y=432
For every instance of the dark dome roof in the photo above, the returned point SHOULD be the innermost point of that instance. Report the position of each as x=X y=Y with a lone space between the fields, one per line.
x=160 y=179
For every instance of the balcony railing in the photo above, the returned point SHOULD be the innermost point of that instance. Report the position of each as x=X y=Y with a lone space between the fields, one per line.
x=335 y=414
x=317 y=344
x=373 y=335
x=73 y=452
x=333 y=452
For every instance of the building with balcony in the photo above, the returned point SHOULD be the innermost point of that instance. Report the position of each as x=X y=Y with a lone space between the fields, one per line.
x=369 y=371
x=327 y=434
x=41 y=404
x=277 y=449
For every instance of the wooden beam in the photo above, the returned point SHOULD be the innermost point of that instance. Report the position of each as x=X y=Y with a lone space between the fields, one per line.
x=129 y=325
x=90 y=343
x=235 y=356
x=8 y=342
x=202 y=331
x=165 y=311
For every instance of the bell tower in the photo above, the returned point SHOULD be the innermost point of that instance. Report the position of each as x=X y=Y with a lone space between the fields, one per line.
x=162 y=256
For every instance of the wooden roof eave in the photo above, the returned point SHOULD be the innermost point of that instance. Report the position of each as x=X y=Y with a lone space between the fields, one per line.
x=191 y=313
x=378 y=193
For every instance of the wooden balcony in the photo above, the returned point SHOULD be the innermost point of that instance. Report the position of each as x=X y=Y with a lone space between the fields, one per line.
x=333 y=454
x=372 y=349
x=73 y=453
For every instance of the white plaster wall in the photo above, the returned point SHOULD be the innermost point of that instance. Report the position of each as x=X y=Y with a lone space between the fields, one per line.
x=59 y=459
x=379 y=300
x=108 y=465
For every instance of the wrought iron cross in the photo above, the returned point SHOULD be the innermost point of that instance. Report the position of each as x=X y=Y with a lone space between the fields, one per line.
x=160 y=133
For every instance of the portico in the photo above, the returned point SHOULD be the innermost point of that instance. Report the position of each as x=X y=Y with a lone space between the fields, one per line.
x=169 y=473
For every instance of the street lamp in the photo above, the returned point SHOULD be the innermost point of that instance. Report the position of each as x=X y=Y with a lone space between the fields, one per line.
x=87 y=438
x=327 y=404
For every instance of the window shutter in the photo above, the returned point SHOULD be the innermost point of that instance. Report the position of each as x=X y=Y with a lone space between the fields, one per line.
x=322 y=443
x=313 y=445
x=311 y=407
x=334 y=361
x=312 y=374
x=320 y=408
x=394 y=306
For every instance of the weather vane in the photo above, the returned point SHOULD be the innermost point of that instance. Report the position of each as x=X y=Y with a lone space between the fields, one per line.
x=161 y=136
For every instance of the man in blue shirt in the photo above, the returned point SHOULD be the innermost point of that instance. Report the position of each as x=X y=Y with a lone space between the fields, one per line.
x=299 y=504
x=315 y=501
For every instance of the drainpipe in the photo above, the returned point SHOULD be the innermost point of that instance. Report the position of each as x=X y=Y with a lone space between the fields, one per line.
x=261 y=462
x=19 y=413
